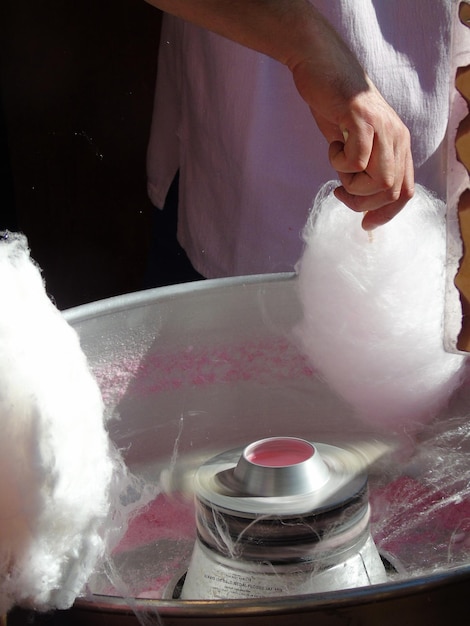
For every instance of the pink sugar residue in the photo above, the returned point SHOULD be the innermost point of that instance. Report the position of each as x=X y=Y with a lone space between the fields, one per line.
x=154 y=550
x=265 y=362
x=113 y=377
x=279 y=452
x=257 y=361
x=407 y=514
x=164 y=518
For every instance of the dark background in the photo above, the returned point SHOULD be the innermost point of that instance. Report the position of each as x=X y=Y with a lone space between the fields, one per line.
x=77 y=83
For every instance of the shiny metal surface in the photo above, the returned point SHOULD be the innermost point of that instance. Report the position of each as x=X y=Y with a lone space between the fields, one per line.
x=432 y=600
x=333 y=483
x=302 y=472
x=195 y=369
x=277 y=535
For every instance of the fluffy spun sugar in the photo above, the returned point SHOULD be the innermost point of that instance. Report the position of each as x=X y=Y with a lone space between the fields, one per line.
x=56 y=463
x=373 y=310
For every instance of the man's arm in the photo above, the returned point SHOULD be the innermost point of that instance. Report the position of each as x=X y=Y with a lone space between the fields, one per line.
x=369 y=144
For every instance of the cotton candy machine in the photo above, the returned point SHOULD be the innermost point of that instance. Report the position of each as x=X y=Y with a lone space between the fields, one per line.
x=190 y=371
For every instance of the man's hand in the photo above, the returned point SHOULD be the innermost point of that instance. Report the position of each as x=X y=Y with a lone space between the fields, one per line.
x=370 y=146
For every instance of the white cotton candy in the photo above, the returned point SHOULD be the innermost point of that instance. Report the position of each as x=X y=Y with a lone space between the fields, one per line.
x=373 y=306
x=56 y=466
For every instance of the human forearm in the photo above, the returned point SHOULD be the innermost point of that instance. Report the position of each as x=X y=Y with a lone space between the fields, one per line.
x=282 y=29
x=369 y=145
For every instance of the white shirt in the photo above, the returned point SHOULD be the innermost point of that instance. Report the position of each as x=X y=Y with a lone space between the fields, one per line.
x=250 y=156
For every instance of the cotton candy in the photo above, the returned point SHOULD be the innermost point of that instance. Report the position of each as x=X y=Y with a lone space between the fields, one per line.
x=57 y=466
x=373 y=306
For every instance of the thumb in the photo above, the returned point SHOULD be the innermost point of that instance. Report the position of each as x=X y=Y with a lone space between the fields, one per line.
x=354 y=153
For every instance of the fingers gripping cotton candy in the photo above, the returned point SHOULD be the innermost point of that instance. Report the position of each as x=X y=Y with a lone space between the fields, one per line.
x=56 y=466
x=373 y=308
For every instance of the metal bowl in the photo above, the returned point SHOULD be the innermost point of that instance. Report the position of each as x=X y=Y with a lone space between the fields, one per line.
x=191 y=370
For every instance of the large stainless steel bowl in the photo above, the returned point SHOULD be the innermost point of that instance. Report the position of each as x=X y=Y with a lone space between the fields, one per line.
x=191 y=370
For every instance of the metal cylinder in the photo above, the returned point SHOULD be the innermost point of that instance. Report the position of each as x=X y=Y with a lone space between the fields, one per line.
x=282 y=516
